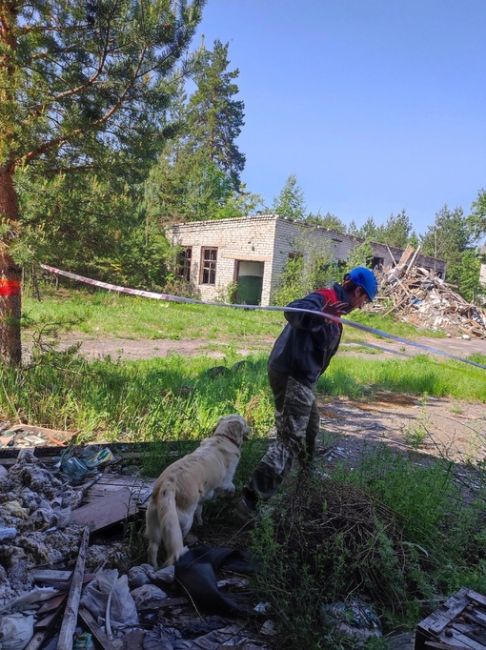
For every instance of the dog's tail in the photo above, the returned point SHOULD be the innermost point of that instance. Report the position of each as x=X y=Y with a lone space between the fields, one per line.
x=162 y=524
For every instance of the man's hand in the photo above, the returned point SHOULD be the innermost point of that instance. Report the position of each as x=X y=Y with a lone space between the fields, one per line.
x=335 y=308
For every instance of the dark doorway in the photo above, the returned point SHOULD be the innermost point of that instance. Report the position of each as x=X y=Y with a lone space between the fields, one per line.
x=249 y=281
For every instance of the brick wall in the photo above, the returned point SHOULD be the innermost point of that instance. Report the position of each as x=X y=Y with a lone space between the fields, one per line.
x=268 y=239
x=245 y=239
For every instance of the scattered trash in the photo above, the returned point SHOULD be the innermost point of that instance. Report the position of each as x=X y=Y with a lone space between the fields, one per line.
x=148 y=597
x=354 y=618
x=76 y=465
x=7 y=533
x=195 y=570
x=108 y=595
x=262 y=608
x=50 y=573
x=268 y=628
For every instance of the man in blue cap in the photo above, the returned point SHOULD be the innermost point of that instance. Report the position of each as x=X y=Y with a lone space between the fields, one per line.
x=299 y=356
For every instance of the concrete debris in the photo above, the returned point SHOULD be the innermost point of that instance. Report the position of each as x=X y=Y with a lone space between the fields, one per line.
x=148 y=597
x=44 y=568
x=418 y=296
x=16 y=630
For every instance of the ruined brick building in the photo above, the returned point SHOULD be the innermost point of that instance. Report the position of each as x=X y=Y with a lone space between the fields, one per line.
x=252 y=252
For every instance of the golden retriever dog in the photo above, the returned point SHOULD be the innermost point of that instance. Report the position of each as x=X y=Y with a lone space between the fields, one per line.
x=182 y=488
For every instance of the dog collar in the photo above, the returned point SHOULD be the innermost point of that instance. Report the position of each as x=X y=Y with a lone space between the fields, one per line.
x=223 y=435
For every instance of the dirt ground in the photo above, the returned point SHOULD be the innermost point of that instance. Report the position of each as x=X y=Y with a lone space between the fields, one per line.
x=133 y=349
x=440 y=428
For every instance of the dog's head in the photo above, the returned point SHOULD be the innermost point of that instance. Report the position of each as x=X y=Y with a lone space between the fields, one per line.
x=233 y=427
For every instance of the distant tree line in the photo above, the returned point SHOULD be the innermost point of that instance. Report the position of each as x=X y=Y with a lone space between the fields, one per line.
x=453 y=236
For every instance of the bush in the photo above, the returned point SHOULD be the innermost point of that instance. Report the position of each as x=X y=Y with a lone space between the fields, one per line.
x=392 y=533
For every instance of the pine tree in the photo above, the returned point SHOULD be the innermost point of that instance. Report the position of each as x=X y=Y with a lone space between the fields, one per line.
x=74 y=77
x=197 y=176
x=447 y=238
x=215 y=117
x=290 y=202
x=397 y=231
x=328 y=221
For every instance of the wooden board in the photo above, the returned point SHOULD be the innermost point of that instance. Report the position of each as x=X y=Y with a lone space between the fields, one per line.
x=105 y=511
x=459 y=623
x=140 y=489
x=96 y=630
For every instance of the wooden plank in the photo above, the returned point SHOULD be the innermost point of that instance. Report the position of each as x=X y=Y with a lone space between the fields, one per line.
x=406 y=255
x=478 y=598
x=96 y=630
x=458 y=640
x=51 y=604
x=71 y=613
x=51 y=577
x=47 y=620
x=477 y=633
x=106 y=511
x=439 y=619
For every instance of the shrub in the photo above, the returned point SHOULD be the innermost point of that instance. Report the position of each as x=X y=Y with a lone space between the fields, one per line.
x=392 y=533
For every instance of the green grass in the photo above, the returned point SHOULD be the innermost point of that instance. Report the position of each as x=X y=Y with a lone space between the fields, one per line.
x=387 y=324
x=108 y=314
x=181 y=398
x=420 y=375
x=102 y=313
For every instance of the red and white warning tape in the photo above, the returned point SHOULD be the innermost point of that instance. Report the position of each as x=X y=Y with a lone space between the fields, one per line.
x=169 y=297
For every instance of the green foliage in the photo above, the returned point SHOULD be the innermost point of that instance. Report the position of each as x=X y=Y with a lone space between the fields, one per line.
x=469 y=284
x=305 y=273
x=78 y=69
x=328 y=221
x=90 y=223
x=477 y=218
x=361 y=255
x=447 y=239
x=197 y=176
x=391 y=531
x=290 y=202
x=397 y=231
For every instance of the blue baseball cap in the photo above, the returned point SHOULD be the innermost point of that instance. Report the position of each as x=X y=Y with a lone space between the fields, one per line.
x=364 y=278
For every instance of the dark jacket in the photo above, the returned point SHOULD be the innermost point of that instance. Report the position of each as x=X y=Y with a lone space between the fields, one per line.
x=305 y=347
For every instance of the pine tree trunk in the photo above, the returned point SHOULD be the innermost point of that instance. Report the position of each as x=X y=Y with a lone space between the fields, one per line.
x=10 y=275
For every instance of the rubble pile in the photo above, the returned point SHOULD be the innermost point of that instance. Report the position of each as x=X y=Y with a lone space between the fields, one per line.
x=63 y=585
x=418 y=296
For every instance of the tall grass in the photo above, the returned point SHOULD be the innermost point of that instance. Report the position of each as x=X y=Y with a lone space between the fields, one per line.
x=420 y=375
x=160 y=399
x=182 y=398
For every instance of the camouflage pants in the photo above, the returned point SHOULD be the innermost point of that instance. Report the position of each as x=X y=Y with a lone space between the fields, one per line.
x=297 y=423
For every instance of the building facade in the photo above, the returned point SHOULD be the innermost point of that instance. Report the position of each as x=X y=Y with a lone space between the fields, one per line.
x=249 y=254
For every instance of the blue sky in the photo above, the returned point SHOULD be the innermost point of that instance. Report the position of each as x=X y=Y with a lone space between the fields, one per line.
x=375 y=105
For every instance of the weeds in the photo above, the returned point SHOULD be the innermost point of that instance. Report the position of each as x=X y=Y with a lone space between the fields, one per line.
x=177 y=398
x=393 y=533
